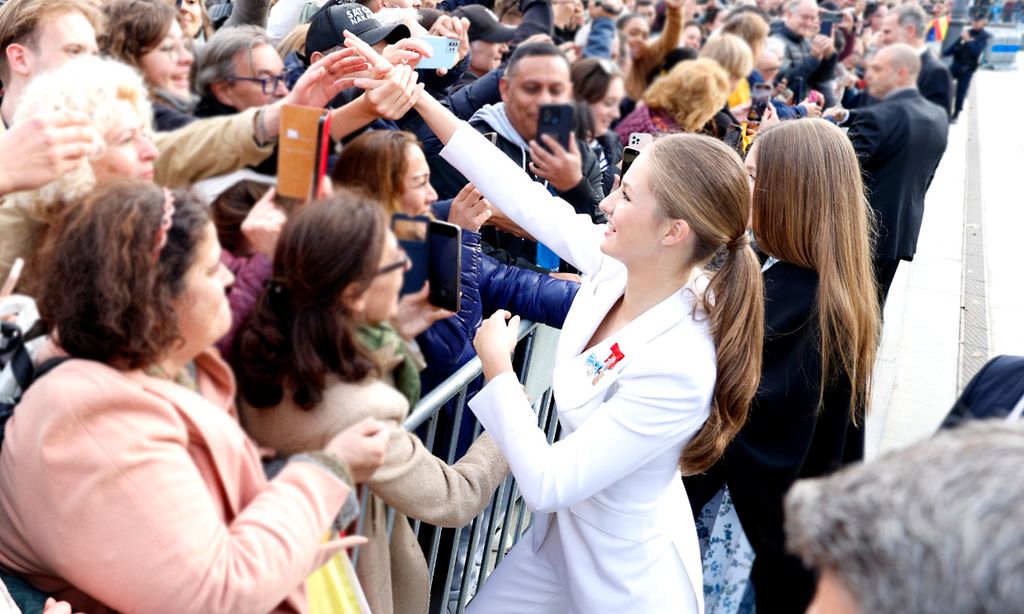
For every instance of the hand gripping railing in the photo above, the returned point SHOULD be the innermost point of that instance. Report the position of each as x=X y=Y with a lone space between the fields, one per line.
x=504 y=521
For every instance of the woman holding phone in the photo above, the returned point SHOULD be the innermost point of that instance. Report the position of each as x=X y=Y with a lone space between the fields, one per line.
x=655 y=369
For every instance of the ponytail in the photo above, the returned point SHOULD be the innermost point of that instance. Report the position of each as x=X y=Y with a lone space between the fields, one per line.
x=700 y=180
x=734 y=302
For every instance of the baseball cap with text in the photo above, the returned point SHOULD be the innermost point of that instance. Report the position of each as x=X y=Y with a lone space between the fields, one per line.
x=328 y=24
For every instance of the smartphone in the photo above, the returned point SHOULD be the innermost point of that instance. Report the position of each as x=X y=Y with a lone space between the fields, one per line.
x=826 y=27
x=629 y=154
x=492 y=137
x=444 y=249
x=828 y=21
x=412 y=236
x=302 y=151
x=445 y=52
x=639 y=140
x=556 y=120
x=759 y=97
x=816 y=97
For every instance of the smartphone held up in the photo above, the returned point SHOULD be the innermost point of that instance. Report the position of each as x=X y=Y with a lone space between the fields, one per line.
x=435 y=253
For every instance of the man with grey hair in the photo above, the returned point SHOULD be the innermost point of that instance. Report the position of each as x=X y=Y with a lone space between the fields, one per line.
x=931 y=528
x=908 y=24
x=237 y=70
x=809 y=58
x=899 y=141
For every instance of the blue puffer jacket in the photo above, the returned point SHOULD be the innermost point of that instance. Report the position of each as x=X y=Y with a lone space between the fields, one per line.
x=446 y=341
x=488 y=285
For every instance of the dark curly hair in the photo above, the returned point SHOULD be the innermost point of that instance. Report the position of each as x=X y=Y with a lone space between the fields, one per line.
x=100 y=290
x=300 y=331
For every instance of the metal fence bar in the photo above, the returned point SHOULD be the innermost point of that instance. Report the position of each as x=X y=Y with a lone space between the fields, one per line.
x=493 y=529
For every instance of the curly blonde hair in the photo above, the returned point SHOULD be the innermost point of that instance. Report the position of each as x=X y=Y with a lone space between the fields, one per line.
x=692 y=92
x=91 y=86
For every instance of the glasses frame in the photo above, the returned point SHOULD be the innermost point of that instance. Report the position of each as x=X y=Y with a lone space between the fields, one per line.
x=273 y=82
x=404 y=263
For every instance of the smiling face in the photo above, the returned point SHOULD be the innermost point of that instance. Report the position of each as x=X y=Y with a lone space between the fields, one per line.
x=692 y=37
x=606 y=110
x=804 y=20
x=262 y=62
x=167 y=66
x=191 y=15
x=636 y=32
x=634 y=222
x=417 y=193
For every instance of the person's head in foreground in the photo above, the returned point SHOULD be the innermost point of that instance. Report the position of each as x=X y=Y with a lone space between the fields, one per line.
x=931 y=528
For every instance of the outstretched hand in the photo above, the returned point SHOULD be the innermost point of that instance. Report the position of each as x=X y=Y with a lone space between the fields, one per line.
x=495 y=341
x=416 y=314
x=325 y=78
x=470 y=210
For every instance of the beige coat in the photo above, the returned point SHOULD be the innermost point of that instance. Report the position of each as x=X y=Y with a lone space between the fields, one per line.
x=413 y=481
x=124 y=492
x=204 y=148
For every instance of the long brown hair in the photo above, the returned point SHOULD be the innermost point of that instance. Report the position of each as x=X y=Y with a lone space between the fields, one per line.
x=810 y=210
x=699 y=179
x=300 y=330
x=376 y=162
x=134 y=28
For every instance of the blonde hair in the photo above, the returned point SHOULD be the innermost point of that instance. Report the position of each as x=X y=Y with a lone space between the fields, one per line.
x=700 y=180
x=91 y=86
x=692 y=92
x=732 y=53
x=810 y=210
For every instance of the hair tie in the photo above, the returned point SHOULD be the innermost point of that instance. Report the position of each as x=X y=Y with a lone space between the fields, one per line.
x=738 y=243
x=166 y=221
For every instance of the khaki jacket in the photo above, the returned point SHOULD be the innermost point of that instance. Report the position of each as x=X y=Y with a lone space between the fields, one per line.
x=204 y=148
x=413 y=481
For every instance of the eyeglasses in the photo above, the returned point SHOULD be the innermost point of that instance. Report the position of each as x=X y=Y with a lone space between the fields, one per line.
x=269 y=84
x=404 y=263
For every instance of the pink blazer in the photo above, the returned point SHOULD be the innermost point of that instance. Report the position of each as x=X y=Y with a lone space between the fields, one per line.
x=124 y=492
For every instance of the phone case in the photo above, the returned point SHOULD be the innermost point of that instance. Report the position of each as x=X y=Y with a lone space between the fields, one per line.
x=302 y=151
x=556 y=120
x=639 y=140
x=412 y=236
x=446 y=295
x=446 y=52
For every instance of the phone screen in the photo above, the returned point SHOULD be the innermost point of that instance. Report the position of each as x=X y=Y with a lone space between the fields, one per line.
x=412 y=236
x=826 y=27
x=628 y=155
x=445 y=253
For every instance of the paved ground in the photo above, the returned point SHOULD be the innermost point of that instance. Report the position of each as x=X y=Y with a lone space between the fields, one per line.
x=961 y=300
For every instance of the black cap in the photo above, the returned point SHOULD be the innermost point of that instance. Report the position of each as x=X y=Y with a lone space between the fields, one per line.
x=327 y=26
x=485 y=25
x=980 y=14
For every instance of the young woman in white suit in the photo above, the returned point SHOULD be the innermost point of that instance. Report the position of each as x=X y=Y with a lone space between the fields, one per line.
x=655 y=370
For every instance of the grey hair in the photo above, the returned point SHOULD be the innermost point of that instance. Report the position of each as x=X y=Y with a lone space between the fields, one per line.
x=912 y=15
x=217 y=61
x=793 y=5
x=932 y=528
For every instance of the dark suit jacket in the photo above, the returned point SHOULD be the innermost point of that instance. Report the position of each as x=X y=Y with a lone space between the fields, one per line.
x=786 y=438
x=899 y=142
x=935 y=82
x=992 y=393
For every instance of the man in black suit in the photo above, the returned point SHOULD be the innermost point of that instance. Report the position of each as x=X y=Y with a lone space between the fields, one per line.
x=899 y=141
x=908 y=24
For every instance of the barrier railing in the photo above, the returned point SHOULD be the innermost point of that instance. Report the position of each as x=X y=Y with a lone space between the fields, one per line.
x=468 y=559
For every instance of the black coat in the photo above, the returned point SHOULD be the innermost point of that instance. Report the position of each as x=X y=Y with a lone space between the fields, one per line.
x=899 y=142
x=992 y=393
x=935 y=81
x=786 y=438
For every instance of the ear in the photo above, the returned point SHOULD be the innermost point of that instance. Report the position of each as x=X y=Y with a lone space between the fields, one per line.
x=503 y=88
x=222 y=92
x=674 y=233
x=315 y=57
x=17 y=60
x=353 y=298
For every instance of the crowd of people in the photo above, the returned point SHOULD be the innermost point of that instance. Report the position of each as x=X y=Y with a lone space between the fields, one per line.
x=203 y=378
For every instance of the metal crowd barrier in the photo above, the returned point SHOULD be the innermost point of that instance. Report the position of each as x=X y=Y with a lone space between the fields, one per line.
x=504 y=521
x=1003 y=47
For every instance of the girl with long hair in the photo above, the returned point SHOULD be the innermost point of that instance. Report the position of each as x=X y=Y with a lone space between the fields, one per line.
x=655 y=369
x=812 y=221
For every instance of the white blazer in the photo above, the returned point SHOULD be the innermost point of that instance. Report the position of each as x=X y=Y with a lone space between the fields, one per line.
x=611 y=482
